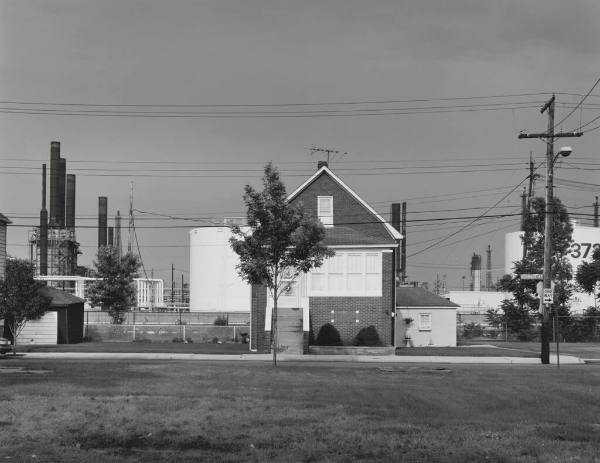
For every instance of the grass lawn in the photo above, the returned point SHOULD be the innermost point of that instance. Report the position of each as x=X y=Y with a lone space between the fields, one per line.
x=463 y=351
x=588 y=350
x=125 y=411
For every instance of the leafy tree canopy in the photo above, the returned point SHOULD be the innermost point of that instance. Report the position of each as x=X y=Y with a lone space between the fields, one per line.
x=281 y=241
x=114 y=291
x=588 y=274
x=19 y=297
x=524 y=291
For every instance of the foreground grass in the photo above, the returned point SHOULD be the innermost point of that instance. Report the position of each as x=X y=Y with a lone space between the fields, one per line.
x=198 y=411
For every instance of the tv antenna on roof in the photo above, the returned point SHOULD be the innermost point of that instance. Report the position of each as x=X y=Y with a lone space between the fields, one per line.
x=331 y=153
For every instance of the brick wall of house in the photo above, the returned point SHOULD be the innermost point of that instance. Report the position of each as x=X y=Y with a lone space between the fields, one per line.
x=347 y=211
x=374 y=311
x=257 y=318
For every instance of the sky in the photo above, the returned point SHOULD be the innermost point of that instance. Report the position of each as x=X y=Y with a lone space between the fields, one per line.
x=188 y=100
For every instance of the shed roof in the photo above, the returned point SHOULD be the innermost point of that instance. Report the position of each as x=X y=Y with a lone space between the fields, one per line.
x=58 y=297
x=409 y=296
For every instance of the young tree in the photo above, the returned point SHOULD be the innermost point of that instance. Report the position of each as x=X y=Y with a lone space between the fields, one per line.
x=19 y=297
x=114 y=291
x=588 y=274
x=524 y=291
x=283 y=241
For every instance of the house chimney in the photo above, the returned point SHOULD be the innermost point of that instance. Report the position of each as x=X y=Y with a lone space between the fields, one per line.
x=322 y=164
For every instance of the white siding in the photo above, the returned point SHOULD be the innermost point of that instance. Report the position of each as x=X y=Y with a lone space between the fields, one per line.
x=42 y=331
x=430 y=327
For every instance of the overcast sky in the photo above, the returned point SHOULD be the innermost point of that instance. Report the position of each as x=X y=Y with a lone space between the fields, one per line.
x=223 y=53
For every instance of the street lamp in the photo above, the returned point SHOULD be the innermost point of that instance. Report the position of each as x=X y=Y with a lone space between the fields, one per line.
x=547 y=300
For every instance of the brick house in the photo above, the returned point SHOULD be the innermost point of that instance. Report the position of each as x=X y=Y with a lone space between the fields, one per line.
x=352 y=290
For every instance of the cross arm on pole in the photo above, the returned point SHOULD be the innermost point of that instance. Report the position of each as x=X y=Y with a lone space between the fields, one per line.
x=545 y=135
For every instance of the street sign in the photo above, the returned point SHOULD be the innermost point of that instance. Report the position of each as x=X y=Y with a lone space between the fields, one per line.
x=532 y=276
x=548 y=296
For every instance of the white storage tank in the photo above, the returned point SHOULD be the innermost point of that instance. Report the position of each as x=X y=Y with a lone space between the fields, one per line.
x=585 y=240
x=215 y=285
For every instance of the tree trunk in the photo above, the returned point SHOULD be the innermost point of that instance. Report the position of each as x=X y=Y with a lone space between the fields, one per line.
x=274 y=329
x=13 y=330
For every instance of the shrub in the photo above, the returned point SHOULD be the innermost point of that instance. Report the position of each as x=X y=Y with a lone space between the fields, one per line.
x=473 y=330
x=328 y=336
x=221 y=320
x=368 y=337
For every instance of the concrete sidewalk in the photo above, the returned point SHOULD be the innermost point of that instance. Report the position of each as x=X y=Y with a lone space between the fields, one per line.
x=564 y=359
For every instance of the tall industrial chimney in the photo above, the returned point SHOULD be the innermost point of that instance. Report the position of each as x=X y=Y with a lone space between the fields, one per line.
x=102 y=220
x=43 y=238
x=118 y=232
x=70 y=205
x=488 y=270
x=476 y=272
x=54 y=174
x=596 y=213
x=62 y=181
x=111 y=234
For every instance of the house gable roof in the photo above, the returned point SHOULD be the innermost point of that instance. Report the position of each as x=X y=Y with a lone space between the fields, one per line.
x=4 y=219
x=410 y=297
x=395 y=234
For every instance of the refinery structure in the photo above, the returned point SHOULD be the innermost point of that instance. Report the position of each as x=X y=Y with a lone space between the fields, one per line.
x=53 y=245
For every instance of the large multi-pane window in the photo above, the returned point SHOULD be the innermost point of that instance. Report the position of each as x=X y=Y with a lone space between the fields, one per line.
x=348 y=273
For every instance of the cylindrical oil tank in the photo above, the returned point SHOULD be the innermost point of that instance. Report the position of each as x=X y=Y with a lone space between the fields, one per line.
x=214 y=282
x=585 y=240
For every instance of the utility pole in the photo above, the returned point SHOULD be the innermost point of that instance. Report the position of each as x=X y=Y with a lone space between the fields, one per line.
x=130 y=230
x=545 y=307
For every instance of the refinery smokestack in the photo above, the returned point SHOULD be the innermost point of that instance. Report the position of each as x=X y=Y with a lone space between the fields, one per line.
x=488 y=269
x=476 y=272
x=70 y=206
x=102 y=220
x=43 y=228
x=62 y=180
x=54 y=174
x=596 y=213
x=118 y=232
x=111 y=235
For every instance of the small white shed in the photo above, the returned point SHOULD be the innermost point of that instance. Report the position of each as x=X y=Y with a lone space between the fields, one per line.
x=424 y=319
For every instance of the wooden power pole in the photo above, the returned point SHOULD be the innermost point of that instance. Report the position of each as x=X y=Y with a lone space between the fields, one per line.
x=546 y=299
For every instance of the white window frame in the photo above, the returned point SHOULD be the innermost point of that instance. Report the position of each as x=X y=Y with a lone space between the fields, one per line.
x=326 y=219
x=425 y=325
x=359 y=287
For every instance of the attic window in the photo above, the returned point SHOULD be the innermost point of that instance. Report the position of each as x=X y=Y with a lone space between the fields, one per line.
x=325 y=210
